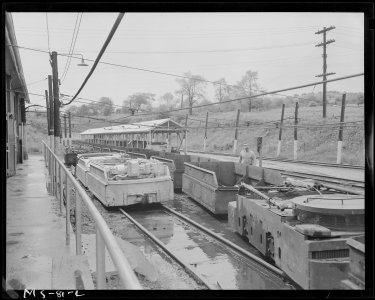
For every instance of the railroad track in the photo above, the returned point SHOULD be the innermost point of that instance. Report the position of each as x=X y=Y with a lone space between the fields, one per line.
x=306 y=162
x=215 y=254
x=345 y=184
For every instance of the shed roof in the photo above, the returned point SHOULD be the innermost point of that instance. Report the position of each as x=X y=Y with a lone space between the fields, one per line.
x=140 y=127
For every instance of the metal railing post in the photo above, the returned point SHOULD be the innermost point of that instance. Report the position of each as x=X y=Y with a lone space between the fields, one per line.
x=78 y=216
x=58 y=181
x=100 y=261
x=61 y=188
x=53 y=176
x=48 y=164
x=104 y=237
x=67 y=206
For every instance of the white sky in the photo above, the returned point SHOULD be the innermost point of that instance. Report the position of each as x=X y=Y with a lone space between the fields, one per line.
x=280 y=46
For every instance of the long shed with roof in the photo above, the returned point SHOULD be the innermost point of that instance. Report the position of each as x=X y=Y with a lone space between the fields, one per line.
x=147 y=134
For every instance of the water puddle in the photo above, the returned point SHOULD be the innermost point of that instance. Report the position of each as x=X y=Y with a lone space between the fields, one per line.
x=214 y=261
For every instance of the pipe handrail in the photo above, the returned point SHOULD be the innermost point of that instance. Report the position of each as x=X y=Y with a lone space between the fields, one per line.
x=126 y=273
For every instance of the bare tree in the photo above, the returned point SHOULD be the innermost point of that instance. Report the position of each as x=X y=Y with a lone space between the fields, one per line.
x=136 y=101
x=193 y=88
x=167 y=99
x=106 y=107
x=248 y=84
x=222 y=90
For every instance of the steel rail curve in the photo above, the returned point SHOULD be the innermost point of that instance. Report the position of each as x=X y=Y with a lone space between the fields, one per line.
x=325 y=179
x=227 y=242
x=170 y=253
x=286 y=160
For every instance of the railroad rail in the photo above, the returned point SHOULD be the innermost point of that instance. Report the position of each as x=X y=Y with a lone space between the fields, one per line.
x=187 y=268
x=244 y=255
x=306 y=162
x=345 y=185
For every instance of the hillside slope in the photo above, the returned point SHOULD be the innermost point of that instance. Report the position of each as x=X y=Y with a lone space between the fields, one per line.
x=318 y=144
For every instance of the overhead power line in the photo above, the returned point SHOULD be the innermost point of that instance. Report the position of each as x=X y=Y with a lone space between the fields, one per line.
x=143 y=69
x=95 y=102
x=239 y=99
x=211 y=51
x=72 y=45
x=109 y=38
x=156 y=72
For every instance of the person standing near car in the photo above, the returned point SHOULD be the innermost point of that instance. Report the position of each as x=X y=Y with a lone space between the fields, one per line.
x=247 y=156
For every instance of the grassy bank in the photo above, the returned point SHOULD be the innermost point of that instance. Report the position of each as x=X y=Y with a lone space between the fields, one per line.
x=317 y=144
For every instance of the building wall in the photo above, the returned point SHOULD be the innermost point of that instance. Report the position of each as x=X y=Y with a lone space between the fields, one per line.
x=16 y=95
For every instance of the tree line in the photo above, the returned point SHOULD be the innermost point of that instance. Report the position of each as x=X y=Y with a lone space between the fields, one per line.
x=191 y=92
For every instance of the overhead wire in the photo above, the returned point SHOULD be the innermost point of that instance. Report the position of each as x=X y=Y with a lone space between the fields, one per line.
x=248 y=97
x=158 y=72
x=261 y=125
x=106 y=43
x=72 y=42
x=27 y=84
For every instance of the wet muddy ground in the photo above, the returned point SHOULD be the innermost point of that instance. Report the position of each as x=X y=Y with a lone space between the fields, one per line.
x=169 y=274
x=211 y=259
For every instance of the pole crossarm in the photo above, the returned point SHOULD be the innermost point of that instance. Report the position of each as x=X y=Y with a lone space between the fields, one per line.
x=325 y=30
x=325 y=43
x=326 y=74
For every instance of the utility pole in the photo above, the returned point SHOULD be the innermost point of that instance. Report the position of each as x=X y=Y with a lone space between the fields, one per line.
x=48 y=116
x=339 y=143
x=55 y=83
x=259 y=149
x=70 y=129
x=295 y=132
x=51 y=113
x=280 y=131
x=325 y=74
x=65 y=130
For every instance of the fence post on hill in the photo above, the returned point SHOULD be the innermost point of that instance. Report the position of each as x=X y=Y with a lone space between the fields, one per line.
x=185 y=135
x=259 y=149
x=205 y=134
x=339 y=143
x=236 y=133
x=280 y=131
x=295 y=132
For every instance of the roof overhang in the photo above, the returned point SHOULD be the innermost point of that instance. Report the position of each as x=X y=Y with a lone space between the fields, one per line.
x=13 y=65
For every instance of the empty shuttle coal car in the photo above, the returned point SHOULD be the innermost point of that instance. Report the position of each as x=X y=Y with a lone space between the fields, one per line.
x=130 y=181
x=304 y=232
